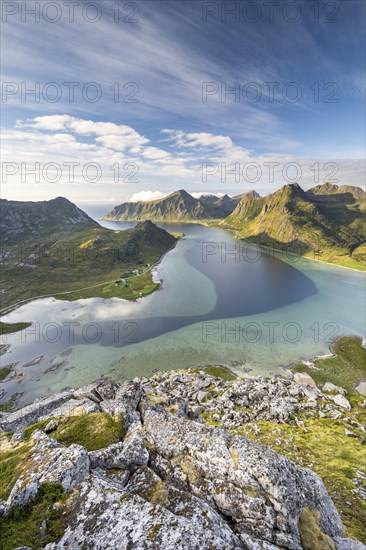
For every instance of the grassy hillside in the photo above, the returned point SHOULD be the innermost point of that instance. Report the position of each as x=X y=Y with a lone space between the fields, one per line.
x=327 y=222
x=87 y=262
x=322 y=444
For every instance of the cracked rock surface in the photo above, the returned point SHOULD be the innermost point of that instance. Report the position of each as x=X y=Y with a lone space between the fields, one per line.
x=175 y=482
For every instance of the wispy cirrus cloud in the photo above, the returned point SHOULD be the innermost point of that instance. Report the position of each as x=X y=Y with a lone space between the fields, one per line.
x=170 y=53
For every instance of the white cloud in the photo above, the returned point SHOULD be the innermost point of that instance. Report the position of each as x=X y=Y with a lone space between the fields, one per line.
x=199 y=194
x=197 y=160
x=200 y=140
x=155 y=153
x=114 y=136
x=147 y=196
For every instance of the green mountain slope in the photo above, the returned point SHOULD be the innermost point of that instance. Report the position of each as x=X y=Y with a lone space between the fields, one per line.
x=326 y=222
x=329 y=189
x=78 y=256
x=178 y=206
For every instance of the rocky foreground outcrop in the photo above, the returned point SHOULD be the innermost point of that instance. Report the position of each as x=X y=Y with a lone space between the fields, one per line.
x=175 y=481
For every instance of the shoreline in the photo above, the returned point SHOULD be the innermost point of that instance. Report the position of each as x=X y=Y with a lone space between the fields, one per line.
x=15 y=306
x=287 y=369
x=212 y=223
x=361 y=270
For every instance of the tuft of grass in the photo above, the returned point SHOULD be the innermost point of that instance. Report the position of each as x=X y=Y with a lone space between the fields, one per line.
x=311 y=535
x=7 y=328
x=4 y=372
x=93 y=431
x=235 y=457
x=345 y=369
x=220 y=372
x=38 y=523
x=12 y=464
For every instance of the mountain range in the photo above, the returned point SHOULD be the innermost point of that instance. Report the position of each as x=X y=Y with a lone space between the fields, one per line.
x=326 y=222
x=178 y=206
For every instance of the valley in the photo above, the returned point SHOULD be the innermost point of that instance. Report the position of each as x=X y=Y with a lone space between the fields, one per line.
x=327 y=222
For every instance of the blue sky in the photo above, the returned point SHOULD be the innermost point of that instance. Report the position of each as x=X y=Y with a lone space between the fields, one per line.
x=175 y=59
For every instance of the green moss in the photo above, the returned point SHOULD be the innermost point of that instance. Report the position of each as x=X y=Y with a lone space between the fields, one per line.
x=251 y=492
x=7 y=328
x=9 y=404
x=311 y=535
x=36 y=524
x=207 y=417
x=159 y=493
x=4 y=372
x=93 y=431
x=346 y=369
x=154 y=531
x=12 y=464
x=323 y=447
x=188 y=467
x=220 y=372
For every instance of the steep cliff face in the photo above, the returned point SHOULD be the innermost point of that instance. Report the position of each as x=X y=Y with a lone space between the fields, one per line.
x=33 y=219
x=137 y=466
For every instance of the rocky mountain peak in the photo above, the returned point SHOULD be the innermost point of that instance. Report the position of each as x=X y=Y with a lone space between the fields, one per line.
x=162 y=476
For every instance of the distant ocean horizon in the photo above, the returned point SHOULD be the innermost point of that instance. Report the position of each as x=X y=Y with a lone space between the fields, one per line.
x=96 y=210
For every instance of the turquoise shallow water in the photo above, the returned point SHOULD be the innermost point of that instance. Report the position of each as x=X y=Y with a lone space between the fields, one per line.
x=221 y=302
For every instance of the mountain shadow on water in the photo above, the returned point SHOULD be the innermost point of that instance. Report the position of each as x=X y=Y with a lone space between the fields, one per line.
x=246 y=287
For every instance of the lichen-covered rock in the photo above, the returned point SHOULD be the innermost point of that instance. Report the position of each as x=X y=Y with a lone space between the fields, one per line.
x=49 y=461
x=173 y=481
x=129 y=454
x=150 y=516
x=341 y=401
x=329 y=387
x=348 y=544
x=73 y=407
x=125 y=402
x=51 y=426
x=304 y=378
x=31 y=414
x=261 y=492
x=98 y=391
